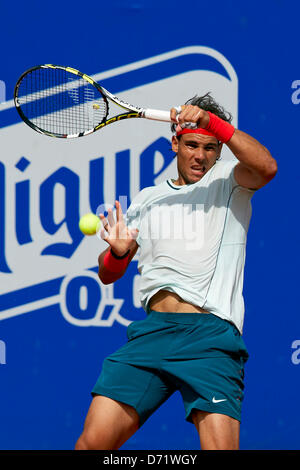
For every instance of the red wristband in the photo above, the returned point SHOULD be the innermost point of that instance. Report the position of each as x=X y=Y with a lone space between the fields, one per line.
x=222 y=130
x=114 y=263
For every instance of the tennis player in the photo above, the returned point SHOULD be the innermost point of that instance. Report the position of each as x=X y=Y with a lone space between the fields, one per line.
x=191 y=286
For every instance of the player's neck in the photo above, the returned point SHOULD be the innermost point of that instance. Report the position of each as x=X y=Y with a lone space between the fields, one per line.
x=180 y=181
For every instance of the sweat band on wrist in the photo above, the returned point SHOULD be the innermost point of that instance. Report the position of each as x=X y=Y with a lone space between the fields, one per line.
x=222 y=130
x=115 y=263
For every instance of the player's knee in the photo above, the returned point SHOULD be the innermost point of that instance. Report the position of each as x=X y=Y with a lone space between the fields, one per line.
x=88 y=442
x=81 y=444
x=98 y=440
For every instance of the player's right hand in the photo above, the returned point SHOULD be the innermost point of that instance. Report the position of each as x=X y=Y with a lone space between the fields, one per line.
x=116 y=233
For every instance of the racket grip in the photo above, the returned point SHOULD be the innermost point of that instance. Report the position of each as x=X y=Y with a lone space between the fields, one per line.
x=156 y=115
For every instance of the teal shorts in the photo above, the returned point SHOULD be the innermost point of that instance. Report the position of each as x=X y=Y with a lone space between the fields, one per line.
x=200 y=355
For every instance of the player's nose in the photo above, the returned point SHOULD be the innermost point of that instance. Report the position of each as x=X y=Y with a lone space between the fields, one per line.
x=199 y=154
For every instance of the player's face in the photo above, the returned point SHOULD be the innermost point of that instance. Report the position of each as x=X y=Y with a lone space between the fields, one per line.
x=196 y=154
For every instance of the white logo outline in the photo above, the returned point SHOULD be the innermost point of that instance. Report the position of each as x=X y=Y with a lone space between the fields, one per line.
x=55 y=298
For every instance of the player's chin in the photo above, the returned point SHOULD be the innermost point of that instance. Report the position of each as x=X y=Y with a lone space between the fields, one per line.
x=196 y=175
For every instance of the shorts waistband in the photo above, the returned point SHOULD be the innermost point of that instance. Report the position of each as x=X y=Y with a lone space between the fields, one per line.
x=187 y=318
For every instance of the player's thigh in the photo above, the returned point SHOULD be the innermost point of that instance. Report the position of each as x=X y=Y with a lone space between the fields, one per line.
x=216 y=431
x=108 y=424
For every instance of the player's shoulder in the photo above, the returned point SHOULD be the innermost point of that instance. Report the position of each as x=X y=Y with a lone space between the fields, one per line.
x=141 y=200
x=148 y=193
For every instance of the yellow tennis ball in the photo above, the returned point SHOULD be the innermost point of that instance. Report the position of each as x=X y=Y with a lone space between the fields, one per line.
x=89 y=224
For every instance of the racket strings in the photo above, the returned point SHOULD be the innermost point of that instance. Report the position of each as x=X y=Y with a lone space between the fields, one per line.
x=59 y=102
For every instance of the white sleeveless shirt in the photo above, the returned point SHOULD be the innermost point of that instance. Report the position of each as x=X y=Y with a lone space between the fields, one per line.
x=192 y=241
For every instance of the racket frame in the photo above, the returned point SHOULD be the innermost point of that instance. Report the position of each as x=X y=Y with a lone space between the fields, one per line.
x=132 y=111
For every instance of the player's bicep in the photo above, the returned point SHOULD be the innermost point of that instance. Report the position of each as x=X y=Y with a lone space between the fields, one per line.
x=247 y=178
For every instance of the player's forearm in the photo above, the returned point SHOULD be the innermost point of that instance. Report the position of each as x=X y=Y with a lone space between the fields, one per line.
x=253 y=155
x=105 y=275
x=118 y=267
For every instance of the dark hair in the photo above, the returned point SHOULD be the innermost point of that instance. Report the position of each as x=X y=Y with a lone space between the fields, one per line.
x=207 y=103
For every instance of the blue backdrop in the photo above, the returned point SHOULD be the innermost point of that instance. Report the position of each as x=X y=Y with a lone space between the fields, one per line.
x=48 y=364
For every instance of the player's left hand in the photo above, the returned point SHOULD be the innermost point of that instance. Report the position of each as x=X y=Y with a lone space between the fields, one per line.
x=188 y=114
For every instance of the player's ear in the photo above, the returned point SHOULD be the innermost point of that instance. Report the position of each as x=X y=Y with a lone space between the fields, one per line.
x=175 y=143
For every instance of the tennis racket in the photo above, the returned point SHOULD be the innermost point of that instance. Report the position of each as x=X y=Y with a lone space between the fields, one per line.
x=63 y=102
